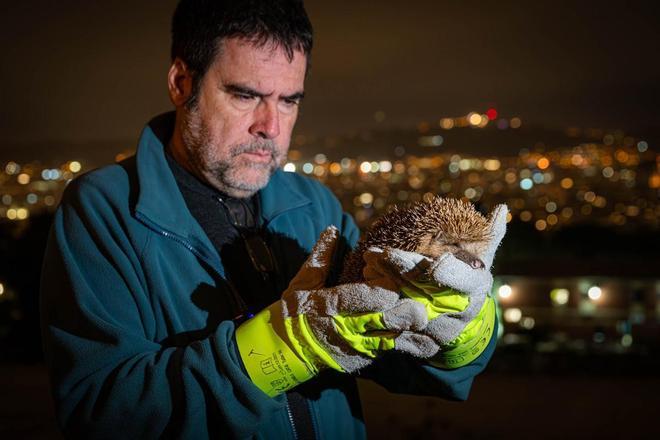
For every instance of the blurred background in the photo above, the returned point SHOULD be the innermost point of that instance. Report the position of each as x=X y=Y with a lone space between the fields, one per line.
x=550 y=107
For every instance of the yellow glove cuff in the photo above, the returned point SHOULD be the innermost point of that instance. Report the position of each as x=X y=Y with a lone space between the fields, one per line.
x=270 y=358
x=472 y=341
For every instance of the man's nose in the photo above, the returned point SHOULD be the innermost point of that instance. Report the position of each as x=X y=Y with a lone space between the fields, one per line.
x=266 y=123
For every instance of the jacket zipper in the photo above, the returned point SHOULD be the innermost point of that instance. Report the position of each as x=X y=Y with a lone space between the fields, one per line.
x=293 y=424
x=240 y=305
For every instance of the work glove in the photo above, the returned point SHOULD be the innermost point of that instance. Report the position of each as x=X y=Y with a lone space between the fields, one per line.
x=313 y=327
x=456 y=295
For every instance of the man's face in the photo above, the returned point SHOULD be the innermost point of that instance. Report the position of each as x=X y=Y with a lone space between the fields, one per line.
x=238 y=132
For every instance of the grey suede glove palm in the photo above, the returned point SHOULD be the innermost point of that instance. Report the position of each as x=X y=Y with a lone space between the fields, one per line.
x=455 y=294
x=314 y=327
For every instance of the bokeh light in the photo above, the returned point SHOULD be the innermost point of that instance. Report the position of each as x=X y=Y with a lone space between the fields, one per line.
x=594 y=293
x=504 y=291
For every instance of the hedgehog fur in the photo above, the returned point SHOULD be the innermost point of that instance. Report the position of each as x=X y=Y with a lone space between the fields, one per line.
x=430 y=228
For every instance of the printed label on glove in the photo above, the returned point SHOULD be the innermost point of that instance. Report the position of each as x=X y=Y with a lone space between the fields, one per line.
x=271 y=364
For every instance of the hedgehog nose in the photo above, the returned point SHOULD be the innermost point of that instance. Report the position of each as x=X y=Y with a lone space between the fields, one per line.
x=477 y=264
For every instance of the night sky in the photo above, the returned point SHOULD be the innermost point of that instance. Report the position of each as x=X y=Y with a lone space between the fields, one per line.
x=92 y=73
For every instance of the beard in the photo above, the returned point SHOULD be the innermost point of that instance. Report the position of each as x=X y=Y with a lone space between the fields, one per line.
x=226 y=168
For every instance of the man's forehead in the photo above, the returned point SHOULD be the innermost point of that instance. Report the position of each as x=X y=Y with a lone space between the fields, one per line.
x=258 y=49
x=263 y=68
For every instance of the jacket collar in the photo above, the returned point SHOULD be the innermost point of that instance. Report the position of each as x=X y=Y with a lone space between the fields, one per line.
x=280 y=196
x=161 y=202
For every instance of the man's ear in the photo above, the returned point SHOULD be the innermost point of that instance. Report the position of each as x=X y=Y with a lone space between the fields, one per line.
x=179 y=82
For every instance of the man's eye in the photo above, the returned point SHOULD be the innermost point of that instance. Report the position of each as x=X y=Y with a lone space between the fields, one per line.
x=243 y=97
x=288 y=106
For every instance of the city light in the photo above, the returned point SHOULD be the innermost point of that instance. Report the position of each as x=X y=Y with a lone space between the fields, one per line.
x=541 y=225
x=594 y=293
x=626 y=340
x=23 y=179
x=75 y=166
x=470 y=193
x=654 y=181
x=512 y=315
x=504 y=291
x=559 y=296
x=385 y=166
x=2 y=289
x=492 y=164
x=12 y=168
x=484 y=121
x=366 y=198
x=528 y=323
x=22 y=214
x=431 y=141
x=474 y=119
x=447 y=123
x=290 y=168
x=566 y=183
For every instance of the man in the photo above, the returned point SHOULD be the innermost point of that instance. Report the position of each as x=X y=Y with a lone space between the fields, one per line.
x=178 y=298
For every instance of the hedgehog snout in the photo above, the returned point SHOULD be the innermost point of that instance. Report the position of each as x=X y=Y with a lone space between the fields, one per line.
x=469 y=259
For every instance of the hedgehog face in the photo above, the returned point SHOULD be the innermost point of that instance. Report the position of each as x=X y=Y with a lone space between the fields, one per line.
x=463 y=248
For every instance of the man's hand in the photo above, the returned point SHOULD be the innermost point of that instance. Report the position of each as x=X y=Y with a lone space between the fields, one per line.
x=456 y=296
x=315 y=327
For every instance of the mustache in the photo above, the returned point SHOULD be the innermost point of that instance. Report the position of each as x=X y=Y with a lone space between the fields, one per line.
x=260 y=146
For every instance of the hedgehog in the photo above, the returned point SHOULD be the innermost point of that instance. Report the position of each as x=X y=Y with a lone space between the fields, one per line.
x=430 y=228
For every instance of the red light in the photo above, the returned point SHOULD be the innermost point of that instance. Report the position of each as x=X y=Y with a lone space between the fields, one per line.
x=492 y=114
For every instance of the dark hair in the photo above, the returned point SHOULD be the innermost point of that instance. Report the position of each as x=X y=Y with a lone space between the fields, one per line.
x=199 y=27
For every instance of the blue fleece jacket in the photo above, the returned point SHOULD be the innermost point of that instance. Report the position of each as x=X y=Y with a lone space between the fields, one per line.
x=138 y=322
